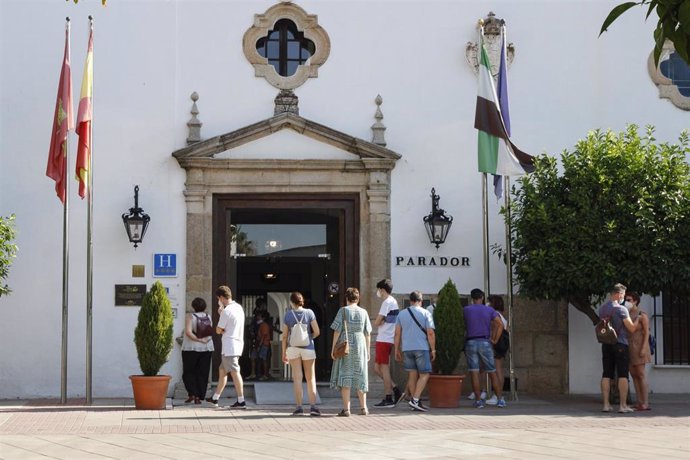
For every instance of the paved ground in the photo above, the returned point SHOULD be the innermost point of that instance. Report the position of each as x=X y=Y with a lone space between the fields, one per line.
x=560 y=427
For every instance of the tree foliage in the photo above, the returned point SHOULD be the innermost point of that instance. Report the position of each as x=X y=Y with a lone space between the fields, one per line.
x=673 y=24
x=153 y=335
x=618 y=212
x=450 y=328
x=8 y=250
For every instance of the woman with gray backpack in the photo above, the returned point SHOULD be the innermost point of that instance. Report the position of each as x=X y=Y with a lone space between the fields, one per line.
x=299 y=331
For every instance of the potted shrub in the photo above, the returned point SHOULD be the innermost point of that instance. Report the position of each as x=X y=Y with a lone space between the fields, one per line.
x=153 y=338
x=445 y=384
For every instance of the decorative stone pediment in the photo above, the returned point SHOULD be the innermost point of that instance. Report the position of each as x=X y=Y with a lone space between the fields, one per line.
x=208 y=149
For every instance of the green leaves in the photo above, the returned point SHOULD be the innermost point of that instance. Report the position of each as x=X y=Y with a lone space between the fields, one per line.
x=673 y=24
x=8 y=250
x=617 y=211
x=450 y=328
x=153 y=336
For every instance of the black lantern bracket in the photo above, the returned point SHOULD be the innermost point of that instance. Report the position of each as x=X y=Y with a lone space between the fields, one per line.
x=136 y=222
x=437 y=223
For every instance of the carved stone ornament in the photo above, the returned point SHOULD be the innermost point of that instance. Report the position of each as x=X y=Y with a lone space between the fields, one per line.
x=492 y=41
x=306 y=23
x=667 y=89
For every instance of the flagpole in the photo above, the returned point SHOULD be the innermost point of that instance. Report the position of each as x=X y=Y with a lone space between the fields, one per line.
x=509 y=272
x=65 y=258
x=89 y=258
x=485 y=206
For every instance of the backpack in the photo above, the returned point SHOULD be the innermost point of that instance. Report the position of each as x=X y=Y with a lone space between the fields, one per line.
x=299 y=335
x=652 y=344
x=204 y=328
x=605 y=332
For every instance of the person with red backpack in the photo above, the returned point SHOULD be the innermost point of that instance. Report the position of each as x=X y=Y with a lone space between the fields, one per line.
x=615 y=356
x=197 y=348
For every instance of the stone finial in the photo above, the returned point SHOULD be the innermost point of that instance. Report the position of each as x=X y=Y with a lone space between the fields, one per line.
x=194 y=124
x=286 y=101
x=378 y=128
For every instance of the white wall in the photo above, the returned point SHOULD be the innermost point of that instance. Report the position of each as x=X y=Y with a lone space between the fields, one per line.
x=150 y=56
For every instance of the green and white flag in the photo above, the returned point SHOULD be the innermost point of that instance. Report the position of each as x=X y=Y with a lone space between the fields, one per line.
x=497 y=154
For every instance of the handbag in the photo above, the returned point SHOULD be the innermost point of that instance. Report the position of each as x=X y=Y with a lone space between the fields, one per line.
x=342 y=348
x=299 y=336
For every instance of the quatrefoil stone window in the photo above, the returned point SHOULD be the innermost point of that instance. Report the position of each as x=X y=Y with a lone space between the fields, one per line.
x=286 y=45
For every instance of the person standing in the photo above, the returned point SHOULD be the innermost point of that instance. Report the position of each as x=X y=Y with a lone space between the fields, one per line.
x=196 y=354
x=501 y=347
x=385 y=322
x=231 y=327
x=615 y=358
x=301 y=358
x=414 y=327
x=640 y=352
x=350 y=371
x=484 y=327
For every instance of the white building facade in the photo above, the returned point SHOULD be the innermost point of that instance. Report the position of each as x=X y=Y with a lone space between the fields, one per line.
x=328 y=198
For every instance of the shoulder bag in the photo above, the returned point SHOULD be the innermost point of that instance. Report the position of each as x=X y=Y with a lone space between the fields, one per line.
x=342 y=348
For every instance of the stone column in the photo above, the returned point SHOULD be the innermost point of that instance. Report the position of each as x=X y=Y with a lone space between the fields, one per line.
x=199 y=237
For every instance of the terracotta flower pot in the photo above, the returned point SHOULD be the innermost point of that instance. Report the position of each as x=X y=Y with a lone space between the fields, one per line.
x=445 y=390
x=150 y=392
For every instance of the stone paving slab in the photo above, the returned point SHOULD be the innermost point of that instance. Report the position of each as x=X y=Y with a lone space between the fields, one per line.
x=556 y=427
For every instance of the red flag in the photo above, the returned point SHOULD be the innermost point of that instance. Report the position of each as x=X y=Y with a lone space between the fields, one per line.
x=63 y=121
x=84 y=121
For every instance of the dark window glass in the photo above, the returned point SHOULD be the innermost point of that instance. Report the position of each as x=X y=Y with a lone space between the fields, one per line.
x=678 y=71
x=285 y=47
x=676 y=324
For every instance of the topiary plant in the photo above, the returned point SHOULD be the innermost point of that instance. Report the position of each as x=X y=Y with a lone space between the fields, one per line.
x=450 y=329
x=153 y=335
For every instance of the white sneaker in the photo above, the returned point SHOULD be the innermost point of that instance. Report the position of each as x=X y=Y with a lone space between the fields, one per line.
x=481 y=396
x=492 y=401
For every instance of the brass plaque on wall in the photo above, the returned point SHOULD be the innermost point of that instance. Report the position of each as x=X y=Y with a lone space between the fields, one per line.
x=138 y=271
x=129 y=295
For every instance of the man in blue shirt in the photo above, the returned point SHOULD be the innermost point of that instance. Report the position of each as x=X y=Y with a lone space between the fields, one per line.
x=479 y=342
x=415 y=328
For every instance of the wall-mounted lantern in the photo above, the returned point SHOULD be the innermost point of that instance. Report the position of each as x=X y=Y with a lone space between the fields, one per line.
x=437 y=223
x=136 y=222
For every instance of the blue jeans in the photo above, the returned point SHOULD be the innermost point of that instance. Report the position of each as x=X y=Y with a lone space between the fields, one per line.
x=417 y=360
x=480 y=349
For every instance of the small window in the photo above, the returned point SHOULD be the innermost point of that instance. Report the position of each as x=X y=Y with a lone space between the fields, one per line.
x=285 y=48
x=676 y=328
x=678 y=71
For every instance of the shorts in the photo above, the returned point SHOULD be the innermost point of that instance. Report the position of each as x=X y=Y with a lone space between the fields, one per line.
x=480 y=349
x=383 y=352
x=614 y=360
x=417 y=360
x=305 y=354
x=230 y=363
x=261 y=353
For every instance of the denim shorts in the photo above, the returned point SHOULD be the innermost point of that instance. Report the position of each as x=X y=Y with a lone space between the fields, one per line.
x=417 y=360
x=480 y=349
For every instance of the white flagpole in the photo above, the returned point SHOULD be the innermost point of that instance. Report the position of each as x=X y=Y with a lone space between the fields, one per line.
x=89 y=255
x=65 y=254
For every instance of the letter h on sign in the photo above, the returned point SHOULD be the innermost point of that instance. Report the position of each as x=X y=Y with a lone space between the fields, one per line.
x=164 y=265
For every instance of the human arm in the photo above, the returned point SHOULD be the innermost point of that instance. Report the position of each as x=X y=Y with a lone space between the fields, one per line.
x=367 y=341
x=188 y=328
x=222 y=321
x=315 y=331
x=431 y=337
x=496 y=329
x=396 y=342
x=380 y=319
x=630 y=325
x=644 y=324
x=336 y=336
x=283 y=342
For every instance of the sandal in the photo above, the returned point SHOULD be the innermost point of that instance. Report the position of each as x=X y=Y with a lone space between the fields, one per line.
x=344 y=413
x=363 y=411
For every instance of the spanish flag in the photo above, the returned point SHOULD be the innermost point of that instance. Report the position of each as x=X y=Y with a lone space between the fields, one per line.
x=84 y=121
x=63 y=122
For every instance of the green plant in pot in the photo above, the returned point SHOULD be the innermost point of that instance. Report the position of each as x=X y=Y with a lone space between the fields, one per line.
x=153 y=338
x=445 y=385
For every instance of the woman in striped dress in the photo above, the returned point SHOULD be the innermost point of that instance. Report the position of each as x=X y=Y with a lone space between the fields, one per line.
x=351 y=371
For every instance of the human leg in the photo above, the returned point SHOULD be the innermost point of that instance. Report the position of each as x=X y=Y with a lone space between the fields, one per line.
x=188 y=365
x=203 y=370
x=621 y=355
x=362 y=396
x=605 y=390
x=608 y=364
x=345 y=396
x=486 y=357
x=310 y=378
x=296 y=366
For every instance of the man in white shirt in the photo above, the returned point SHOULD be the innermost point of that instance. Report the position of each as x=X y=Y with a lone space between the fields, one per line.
x=385 y=321
x=231 y=327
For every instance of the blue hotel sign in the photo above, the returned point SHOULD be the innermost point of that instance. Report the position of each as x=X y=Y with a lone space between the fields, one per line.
x=164 y=265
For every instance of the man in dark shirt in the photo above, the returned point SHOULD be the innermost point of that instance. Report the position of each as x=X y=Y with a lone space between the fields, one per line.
x=479 y=343
x=614 y=357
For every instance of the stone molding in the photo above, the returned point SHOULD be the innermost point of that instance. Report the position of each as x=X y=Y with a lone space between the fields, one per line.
x=306 y=23
x=667 y=90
